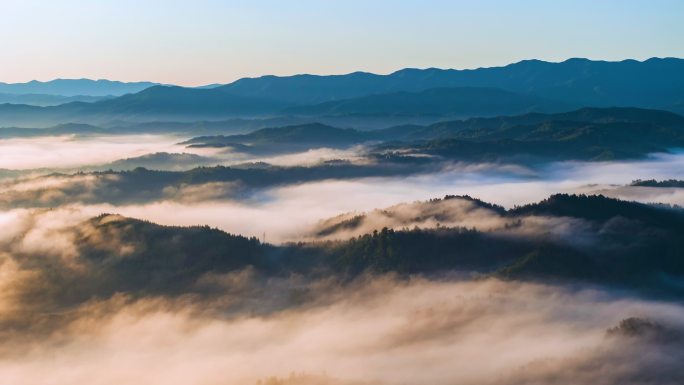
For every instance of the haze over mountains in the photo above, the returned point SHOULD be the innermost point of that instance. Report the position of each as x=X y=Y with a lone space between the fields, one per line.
x=75 y=87
x=510 y=225
x=527 y=86
x=588 y=133
x=458 y=101
x=47 y=99
x=306 y=193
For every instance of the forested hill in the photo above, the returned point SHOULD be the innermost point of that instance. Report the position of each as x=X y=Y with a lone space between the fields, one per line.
x=608 y=242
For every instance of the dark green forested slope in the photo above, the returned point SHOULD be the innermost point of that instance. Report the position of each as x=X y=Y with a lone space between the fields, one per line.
x=636 y=247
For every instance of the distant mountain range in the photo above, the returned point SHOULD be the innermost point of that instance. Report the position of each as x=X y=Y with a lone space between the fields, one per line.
x=44 y=100
x=191 y=104
x=527 y=86
x=656 y=82
x=514 y=126
x=588 y=133
x=217 y=127
x=75 y=87
x=457 y=101
x=154 y=103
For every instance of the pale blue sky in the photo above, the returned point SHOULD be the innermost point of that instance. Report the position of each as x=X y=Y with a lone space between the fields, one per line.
x=205 y=41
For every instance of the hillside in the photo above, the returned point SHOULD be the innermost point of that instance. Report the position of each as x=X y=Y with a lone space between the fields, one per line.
x=509 y=126
x=653 y=83
x=566 y=237
x=462 y=101
x=632 y=252
x=588 y=134
x=284 y=139
x=154 y=103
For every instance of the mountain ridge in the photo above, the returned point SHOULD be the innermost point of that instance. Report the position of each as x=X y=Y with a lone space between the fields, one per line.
x=514 y=77
x=654 y=83
x=75 y=87
x=441 y=101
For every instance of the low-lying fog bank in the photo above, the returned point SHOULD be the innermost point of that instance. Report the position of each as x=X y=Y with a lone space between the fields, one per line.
x=109 y=301
x=26 y=157
x=380 y=331
x=285 y=210
x=73 y=152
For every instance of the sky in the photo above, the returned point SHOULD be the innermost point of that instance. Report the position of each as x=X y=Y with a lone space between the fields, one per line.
x=210 y=41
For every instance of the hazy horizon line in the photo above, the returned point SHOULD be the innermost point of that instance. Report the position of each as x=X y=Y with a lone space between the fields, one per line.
x=321 y=74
